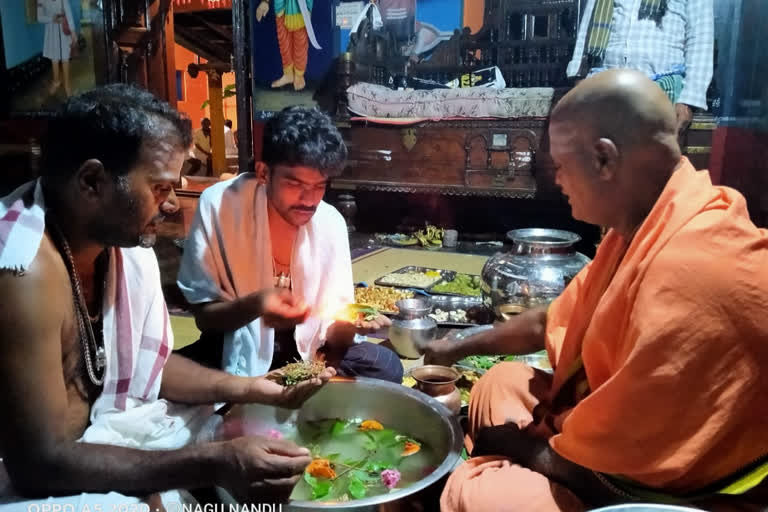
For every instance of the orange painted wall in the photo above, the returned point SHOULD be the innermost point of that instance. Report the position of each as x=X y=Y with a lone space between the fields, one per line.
x=195 y=89
x=473 y=14
x=230 y=104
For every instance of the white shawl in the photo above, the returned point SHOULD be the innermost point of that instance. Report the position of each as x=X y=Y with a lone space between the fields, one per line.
x=137 y=335
x=228 y=254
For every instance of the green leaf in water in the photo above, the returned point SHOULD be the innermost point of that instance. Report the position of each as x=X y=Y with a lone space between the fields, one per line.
x=370 y=444
x=356 y=488
x=364 y=476
x=333 y=456
x=338 y=427
x=378 y=466
x=320 y=488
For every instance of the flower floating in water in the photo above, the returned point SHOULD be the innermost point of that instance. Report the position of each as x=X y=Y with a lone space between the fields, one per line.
x=371 y=425
x=390 y=478
x=410 y=448
x=321 y=468
x=274 y=434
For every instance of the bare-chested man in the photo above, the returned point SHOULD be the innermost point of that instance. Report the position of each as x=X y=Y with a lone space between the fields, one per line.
x=84 y=332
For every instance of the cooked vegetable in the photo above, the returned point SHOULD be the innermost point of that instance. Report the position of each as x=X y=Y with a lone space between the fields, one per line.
x=466 y=382
x=481 y=362
x=412 y=279
x=456 y=316
x=462 y=284
x=431 y=237
x=292 y=374
x=382 y=298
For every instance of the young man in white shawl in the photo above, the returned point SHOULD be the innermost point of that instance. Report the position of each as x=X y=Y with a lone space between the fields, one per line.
x=270 y=229
x=85 y=340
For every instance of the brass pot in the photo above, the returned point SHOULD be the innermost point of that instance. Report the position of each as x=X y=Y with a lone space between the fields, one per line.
x=439 y=382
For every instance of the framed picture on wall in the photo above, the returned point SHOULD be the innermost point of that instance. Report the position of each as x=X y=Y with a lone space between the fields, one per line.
x=294 y=45
x=51 y=49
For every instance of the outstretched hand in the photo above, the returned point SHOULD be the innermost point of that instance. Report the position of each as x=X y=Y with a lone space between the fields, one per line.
x=269 y=390
x=440 y=352
x=368 y=327
x=342 y=332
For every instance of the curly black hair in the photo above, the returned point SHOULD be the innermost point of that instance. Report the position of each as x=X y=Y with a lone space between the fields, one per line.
x=110 y=123
x=307 y=137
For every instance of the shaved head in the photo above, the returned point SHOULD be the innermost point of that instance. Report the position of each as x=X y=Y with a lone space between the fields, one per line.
x=613 y=139
x=621 y=104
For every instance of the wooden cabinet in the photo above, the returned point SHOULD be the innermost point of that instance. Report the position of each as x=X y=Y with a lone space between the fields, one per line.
x=468 y=157
x=494 y=158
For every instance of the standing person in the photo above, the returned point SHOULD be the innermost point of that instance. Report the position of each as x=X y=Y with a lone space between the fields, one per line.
x=59 y=37
x=671 y=41
x=400 y=18
x=201 y=149
x=97 y=409
x=293 y=20
x=230 y=143
x=265 y=235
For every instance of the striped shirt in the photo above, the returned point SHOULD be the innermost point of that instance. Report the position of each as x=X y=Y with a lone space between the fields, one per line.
x=394 y=10
x=683 y=42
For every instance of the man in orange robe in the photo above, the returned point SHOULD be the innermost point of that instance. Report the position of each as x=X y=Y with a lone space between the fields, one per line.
x=659 y=346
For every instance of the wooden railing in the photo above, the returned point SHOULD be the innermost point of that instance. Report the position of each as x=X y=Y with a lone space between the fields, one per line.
x=200 y=5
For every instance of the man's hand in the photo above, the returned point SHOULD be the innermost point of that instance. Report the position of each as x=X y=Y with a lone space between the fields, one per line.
x=684 y=117
x=342 y=333
x=441 y=352
x=279 y=309
x=267 y=390
x=364 y=328
x=262 y=10
x=261 y=469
